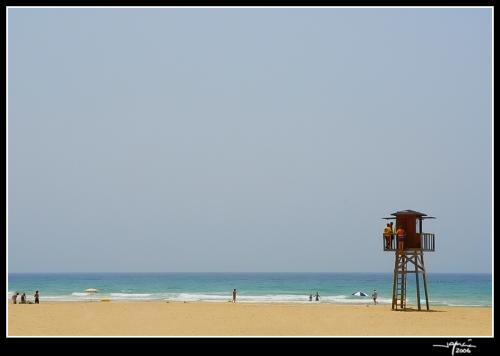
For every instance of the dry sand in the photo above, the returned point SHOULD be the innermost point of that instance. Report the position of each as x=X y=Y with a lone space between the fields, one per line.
x=228 y=319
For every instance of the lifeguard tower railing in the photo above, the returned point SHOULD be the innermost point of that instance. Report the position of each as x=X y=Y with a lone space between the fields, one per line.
x=427 y=242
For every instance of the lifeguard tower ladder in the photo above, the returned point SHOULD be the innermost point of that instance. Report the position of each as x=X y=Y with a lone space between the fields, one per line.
x=409 y=252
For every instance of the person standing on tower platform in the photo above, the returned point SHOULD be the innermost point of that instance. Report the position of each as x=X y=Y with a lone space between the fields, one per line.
x=388 y=236
x=401 y=234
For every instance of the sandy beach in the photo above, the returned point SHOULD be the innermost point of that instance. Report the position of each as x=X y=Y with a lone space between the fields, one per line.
x=241 y=319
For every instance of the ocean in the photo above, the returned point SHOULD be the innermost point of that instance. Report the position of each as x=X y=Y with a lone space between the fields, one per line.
x=445 y=289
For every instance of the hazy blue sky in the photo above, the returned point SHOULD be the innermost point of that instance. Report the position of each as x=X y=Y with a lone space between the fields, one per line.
x=246 y=139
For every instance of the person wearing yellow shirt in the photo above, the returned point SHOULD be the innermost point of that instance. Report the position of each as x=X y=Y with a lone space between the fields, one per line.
x=388 y=236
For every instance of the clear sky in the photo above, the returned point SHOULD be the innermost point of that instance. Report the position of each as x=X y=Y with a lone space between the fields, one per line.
x=246 y=139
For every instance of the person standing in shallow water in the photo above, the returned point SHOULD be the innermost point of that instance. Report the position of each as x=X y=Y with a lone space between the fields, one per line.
x=37 y=298
x=317 y=296
x=234 y=295
x=374 y=296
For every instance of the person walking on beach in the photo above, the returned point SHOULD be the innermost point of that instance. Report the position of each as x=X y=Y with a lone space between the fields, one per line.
x=234 y=295
x=37 y=298
x=317 y=296
x=23 y=298
x=14 y=298
x=374 y=296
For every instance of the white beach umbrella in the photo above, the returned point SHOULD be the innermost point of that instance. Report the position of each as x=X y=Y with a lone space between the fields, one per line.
x=91 y=290
x=360 y=294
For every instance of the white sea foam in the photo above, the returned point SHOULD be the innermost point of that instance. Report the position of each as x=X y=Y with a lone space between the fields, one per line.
x=342 y=299
x=66 y=298
x=226 y=297
x=271 y=298
x=131 y=295
x=197 y=297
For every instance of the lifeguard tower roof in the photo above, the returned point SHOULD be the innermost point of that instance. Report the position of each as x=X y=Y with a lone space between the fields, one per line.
x=410 y=212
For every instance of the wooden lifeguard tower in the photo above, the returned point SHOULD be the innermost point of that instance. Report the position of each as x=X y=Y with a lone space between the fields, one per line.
x=410 y=252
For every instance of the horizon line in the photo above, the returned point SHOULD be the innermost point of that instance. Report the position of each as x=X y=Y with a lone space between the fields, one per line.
x=234 y=272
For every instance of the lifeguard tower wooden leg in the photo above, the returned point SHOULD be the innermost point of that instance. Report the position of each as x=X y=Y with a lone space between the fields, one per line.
x=425 y=283
x=417 y=284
